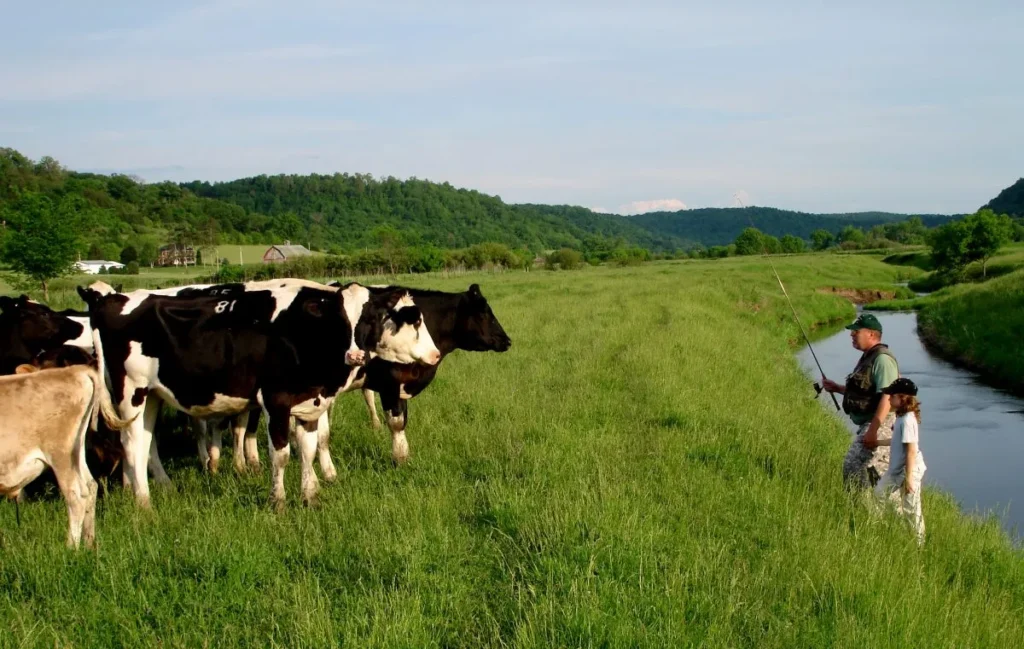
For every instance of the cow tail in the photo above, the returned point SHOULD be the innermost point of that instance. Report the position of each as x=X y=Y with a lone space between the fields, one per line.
x=103 y=405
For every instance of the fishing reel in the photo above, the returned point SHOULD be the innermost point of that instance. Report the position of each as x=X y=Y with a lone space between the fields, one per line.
x=817 y=390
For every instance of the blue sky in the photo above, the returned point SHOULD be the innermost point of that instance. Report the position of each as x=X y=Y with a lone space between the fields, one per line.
x=910 y=106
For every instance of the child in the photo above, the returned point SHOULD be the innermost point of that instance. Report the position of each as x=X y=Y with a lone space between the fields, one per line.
x=901 y=484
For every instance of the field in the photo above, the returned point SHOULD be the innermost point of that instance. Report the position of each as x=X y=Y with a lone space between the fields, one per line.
x=248 y=254
x=645 y=467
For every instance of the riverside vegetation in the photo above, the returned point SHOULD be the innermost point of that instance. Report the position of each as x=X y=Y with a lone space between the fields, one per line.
x=645 y=467
x=976 y=323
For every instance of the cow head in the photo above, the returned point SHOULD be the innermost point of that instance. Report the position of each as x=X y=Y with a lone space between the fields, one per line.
x=38 y=326
x=389 y=326
x=478 y=329
x=404 y=336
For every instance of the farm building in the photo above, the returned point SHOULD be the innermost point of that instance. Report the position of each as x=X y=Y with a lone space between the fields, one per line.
x=285 y=252
x=176 y=255
x=93 y=266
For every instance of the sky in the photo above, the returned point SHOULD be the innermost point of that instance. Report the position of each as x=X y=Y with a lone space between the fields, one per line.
x=623 y=107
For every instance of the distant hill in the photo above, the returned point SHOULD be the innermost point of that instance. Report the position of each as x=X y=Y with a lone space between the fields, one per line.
x=720 y=226
x=1009 y=201
x=351 y=212
x=345 y=210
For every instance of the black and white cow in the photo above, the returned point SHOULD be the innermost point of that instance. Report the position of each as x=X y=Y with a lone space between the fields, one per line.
x=285 y=349
x=455 y=321
x=28 y=328
x=368 y=334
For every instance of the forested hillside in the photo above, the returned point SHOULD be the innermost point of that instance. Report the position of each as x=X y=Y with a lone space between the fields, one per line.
x=343 y=210
x=1009 y=201
x=343 y=213
x=720 y=226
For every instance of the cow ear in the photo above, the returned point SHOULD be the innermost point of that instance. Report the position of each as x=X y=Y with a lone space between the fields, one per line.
x=88 y=295
x=24 y=368
x=119 y=288
x=393 y=299
x=474 y=291
x=312 y=307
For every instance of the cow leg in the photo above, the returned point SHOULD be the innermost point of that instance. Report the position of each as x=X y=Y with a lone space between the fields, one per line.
x=308 y=438
x=156 y=466
x=79 y=495
x=88 y=488
x=136 y=440
x=371 y=407
x=278 y=423
x=398 y=418
x=75 y=496
x=323 y=447
x=218 y=442
x=201 y=426
x=238 y=431
x=252 y=456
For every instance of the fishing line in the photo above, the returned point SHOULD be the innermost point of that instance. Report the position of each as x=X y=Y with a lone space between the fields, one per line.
x=796 y=317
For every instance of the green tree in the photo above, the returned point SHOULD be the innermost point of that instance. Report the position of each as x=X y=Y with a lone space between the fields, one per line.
x=988 y=233
x=792 y=244
x=148 y=253
x=822 y=239
x=750 y=242
x=129 y=254
x=45 y=245
x=949 y=247
x=851 y=234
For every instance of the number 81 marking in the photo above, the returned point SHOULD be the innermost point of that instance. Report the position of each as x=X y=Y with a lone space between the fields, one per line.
x=225 y=306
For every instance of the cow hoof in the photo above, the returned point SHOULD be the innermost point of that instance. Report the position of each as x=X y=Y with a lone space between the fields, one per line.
x=277 y=504
x=399 y=458
x=330 y=475
x=142 y=502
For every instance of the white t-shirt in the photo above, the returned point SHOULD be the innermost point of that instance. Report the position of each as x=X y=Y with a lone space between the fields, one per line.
x=904 y=431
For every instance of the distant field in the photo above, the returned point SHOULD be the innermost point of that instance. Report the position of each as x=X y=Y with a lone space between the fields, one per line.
x=645 y=467
x=249 y=254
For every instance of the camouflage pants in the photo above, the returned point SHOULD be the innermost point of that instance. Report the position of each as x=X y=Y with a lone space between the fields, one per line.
x=862 y=466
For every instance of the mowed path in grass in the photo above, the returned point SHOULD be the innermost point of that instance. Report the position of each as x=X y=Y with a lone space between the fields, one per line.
x=645 y=467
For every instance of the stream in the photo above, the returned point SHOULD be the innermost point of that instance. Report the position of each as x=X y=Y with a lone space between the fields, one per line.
x=972 y=435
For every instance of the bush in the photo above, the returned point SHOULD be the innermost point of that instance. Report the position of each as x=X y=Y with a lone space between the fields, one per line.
x=629 y=256
x=564 y=259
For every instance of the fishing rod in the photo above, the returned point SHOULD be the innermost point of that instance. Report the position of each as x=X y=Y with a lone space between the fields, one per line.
x=796 y=317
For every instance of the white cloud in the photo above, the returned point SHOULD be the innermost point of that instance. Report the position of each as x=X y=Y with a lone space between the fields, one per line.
x=656 y=205
x=601 y=210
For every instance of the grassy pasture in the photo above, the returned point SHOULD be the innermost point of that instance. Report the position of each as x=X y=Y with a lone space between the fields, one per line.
x=645 y=467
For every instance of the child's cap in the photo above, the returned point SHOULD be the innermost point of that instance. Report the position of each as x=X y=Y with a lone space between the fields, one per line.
x=901 y=385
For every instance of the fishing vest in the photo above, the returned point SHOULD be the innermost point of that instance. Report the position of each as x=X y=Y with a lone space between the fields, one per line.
x=861 y=398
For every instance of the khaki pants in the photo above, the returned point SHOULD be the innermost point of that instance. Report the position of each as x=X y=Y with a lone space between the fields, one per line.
x=891 y=489
x=863 y=467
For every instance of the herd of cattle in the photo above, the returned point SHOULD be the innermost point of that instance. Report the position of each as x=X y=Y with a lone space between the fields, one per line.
x=85 y=388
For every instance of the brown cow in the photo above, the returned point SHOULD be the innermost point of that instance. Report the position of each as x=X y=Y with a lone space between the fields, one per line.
x=44 y=416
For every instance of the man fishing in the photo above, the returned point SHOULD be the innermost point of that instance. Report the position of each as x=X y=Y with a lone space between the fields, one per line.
x=868 y=457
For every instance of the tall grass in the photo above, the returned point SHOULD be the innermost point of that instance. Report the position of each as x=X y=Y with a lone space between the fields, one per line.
x=645 y=467
x=980 y=326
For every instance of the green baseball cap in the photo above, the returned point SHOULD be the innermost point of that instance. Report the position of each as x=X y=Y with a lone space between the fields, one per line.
x=865 y=321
